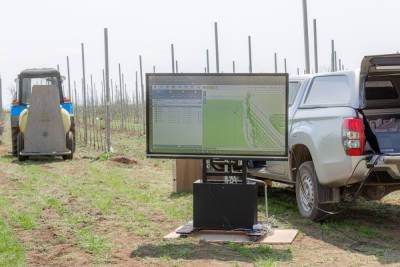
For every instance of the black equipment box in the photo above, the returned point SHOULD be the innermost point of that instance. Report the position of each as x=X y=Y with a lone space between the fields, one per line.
x=222 y=206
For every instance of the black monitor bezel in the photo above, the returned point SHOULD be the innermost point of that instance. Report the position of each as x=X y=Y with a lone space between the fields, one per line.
x=150 y=154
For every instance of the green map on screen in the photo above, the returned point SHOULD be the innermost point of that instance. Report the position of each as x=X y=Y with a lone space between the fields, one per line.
x=218 y=119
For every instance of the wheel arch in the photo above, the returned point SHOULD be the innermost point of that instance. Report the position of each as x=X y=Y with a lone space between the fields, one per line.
x=299 y=154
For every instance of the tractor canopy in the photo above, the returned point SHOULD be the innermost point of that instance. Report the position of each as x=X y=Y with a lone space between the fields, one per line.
x=30 y=77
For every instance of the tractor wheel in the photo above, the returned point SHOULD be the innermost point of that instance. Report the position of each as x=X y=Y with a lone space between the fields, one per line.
x=20 y=147
x=14 y=140
x=70 y=145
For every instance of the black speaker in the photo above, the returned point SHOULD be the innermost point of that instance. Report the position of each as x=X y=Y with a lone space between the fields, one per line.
x=221 y=206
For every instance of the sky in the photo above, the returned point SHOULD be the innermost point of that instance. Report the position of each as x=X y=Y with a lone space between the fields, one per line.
x=42 y=33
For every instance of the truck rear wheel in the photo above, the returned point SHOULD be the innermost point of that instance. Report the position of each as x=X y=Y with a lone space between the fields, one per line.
x=307 y=193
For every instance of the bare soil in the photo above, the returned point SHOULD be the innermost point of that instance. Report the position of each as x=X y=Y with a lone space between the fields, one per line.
x=90 y=212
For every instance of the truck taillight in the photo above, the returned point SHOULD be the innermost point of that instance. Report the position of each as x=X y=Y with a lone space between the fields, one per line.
x=353 y=136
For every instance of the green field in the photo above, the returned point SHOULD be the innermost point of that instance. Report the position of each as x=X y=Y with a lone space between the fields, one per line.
x=95 y=211
x=223 y=124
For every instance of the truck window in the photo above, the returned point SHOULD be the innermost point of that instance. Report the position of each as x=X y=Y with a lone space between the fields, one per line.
x=329 y=90
x=380 y=90
x=293 y=90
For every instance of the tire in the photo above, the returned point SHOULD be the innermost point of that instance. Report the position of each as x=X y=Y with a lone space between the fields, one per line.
x=307 y=193
x=68 y=157
x=72 y=130
x=70 y=143
x=14 y=140
x=20 y=147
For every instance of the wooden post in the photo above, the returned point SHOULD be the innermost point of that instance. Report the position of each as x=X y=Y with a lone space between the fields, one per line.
x=336 y=63
x=208 y=62
x=250 y=57
x=69 y=79
x=306 y=40
x=315 y=46
x=284 y=63
x=216 y=47
x=137 y=99
x=173 y=58
x=143 y=97
x=107 y=92
x=121 y=98
x=1 y=97
x=185 y=172
x=332 y=56
x=85 y=122
x=1 y=107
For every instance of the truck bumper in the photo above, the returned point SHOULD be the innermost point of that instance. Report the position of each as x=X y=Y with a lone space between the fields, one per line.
x=32 y=154
x=378 y=163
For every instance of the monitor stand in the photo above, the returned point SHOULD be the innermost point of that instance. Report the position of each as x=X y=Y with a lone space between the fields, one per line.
x=228 y=204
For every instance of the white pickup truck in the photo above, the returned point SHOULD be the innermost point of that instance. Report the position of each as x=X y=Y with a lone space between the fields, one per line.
x=344 y=136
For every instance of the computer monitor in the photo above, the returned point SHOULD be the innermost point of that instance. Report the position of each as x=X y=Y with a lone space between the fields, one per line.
x=242 y=116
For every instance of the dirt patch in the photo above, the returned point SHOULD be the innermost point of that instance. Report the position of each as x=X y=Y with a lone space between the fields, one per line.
x=88 y=157
x=3 y=179
x=60 y=255
x=124 y=243
x=3 y=150
x=52 y=244
x=127 y=132
x=124 y=160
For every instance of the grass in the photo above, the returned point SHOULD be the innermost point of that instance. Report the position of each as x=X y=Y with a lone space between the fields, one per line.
x=103 y=212
x=91 y=242
x=23 y=219
x=33 y=196
x=351 y=227
x=12 y=253
x=262 y=255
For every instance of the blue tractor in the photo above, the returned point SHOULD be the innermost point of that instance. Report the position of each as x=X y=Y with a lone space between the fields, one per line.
x=25 y=81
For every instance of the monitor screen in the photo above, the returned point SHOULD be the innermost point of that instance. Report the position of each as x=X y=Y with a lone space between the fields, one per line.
x=217 y=115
